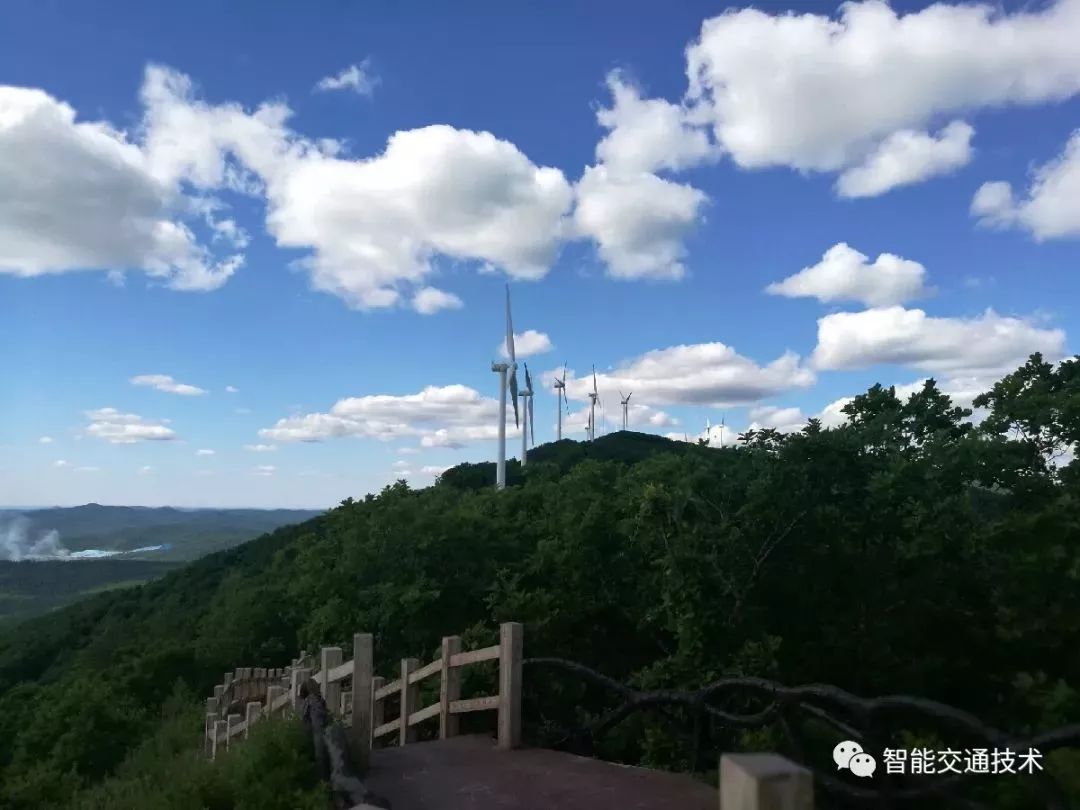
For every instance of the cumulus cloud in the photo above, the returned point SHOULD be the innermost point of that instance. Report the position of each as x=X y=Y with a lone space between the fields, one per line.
x=260 y=448
x=163 y=382
x=429 y=300
x=845 y=274
x=125 y=428
x=61 y=463
x=46 y=440
x=145 y=470
x=1051 y=209
x=205 y=452
x=526 y=344
x=645 y=135
x=698 y=374
x=374 y=224
x=907 y=157
x=231 y=389
x=79 y=195
x=860 y=91
x=448 y=416
x=987 y=344
x=637 y=218
x=356 y=78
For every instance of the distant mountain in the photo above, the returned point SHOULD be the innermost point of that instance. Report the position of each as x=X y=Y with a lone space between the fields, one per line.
x=50 y=557
x=185 y=534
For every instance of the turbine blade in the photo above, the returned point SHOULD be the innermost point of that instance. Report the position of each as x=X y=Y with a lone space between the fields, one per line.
x=509 y=328
x=528 y=379
x=629 y=395
x=532 y=422
x=514 y=391
x=594 y=379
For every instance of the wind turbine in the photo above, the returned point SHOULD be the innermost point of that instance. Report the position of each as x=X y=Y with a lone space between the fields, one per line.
x=501 y=369
x=526 y=406
x=560 y=394
x=721 y=431
x=625 y=407
x=593 y=396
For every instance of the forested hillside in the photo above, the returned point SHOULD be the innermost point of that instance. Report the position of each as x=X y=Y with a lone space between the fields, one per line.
x=908 y=551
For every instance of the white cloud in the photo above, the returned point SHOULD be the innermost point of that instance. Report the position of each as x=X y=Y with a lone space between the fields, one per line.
x=429 y=300
x=146 y=470
x=79 y=195
x=1052 y=207
x=264 y=470
x=61 y=463
x=205 y=452
x=125 y=428
x=46 y=440
x=357 y=78
x=526 y=344
x=821 y=94
x=231 y=389
x=260 y=448
x=645 y=135
x=907 y=157
x=845 y=274
x=450 y=416
x=698 y=374
x=784 y=420
x=88 y=469
x=637 y=218
x=984 y=345
x=163 y=382
x=638 y=221
x=832 y=415
x=430 y=469
x=373 y=224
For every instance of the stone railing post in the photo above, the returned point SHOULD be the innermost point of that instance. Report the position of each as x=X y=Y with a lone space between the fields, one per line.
x=231 y=722
x=221 y=728
x=450 y=688
x=510 y=654
x=764 y=782
x=410 y=694
x=363 y=666
x=254 y=711
x=329 y=658
x=377 y=706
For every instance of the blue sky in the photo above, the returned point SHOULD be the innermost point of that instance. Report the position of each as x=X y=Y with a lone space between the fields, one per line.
x=639 y=173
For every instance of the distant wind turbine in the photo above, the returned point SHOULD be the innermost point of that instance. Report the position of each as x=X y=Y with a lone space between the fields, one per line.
x=594 y=396
x=527 y=410
x=501 y=369
x=625 y=407
x=560 y=393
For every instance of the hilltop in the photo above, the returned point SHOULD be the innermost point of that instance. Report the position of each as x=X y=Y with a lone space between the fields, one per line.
x=906 y=552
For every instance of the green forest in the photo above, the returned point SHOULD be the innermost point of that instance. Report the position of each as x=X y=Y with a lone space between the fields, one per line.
x=913 y=550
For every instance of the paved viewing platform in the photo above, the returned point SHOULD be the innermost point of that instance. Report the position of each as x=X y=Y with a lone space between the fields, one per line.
x=470 y=772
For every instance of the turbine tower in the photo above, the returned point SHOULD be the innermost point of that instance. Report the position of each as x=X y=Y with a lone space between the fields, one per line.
x=593 y=396
x=625 y=407
x=502 y=369
x=560 y=394
x=527 y=412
